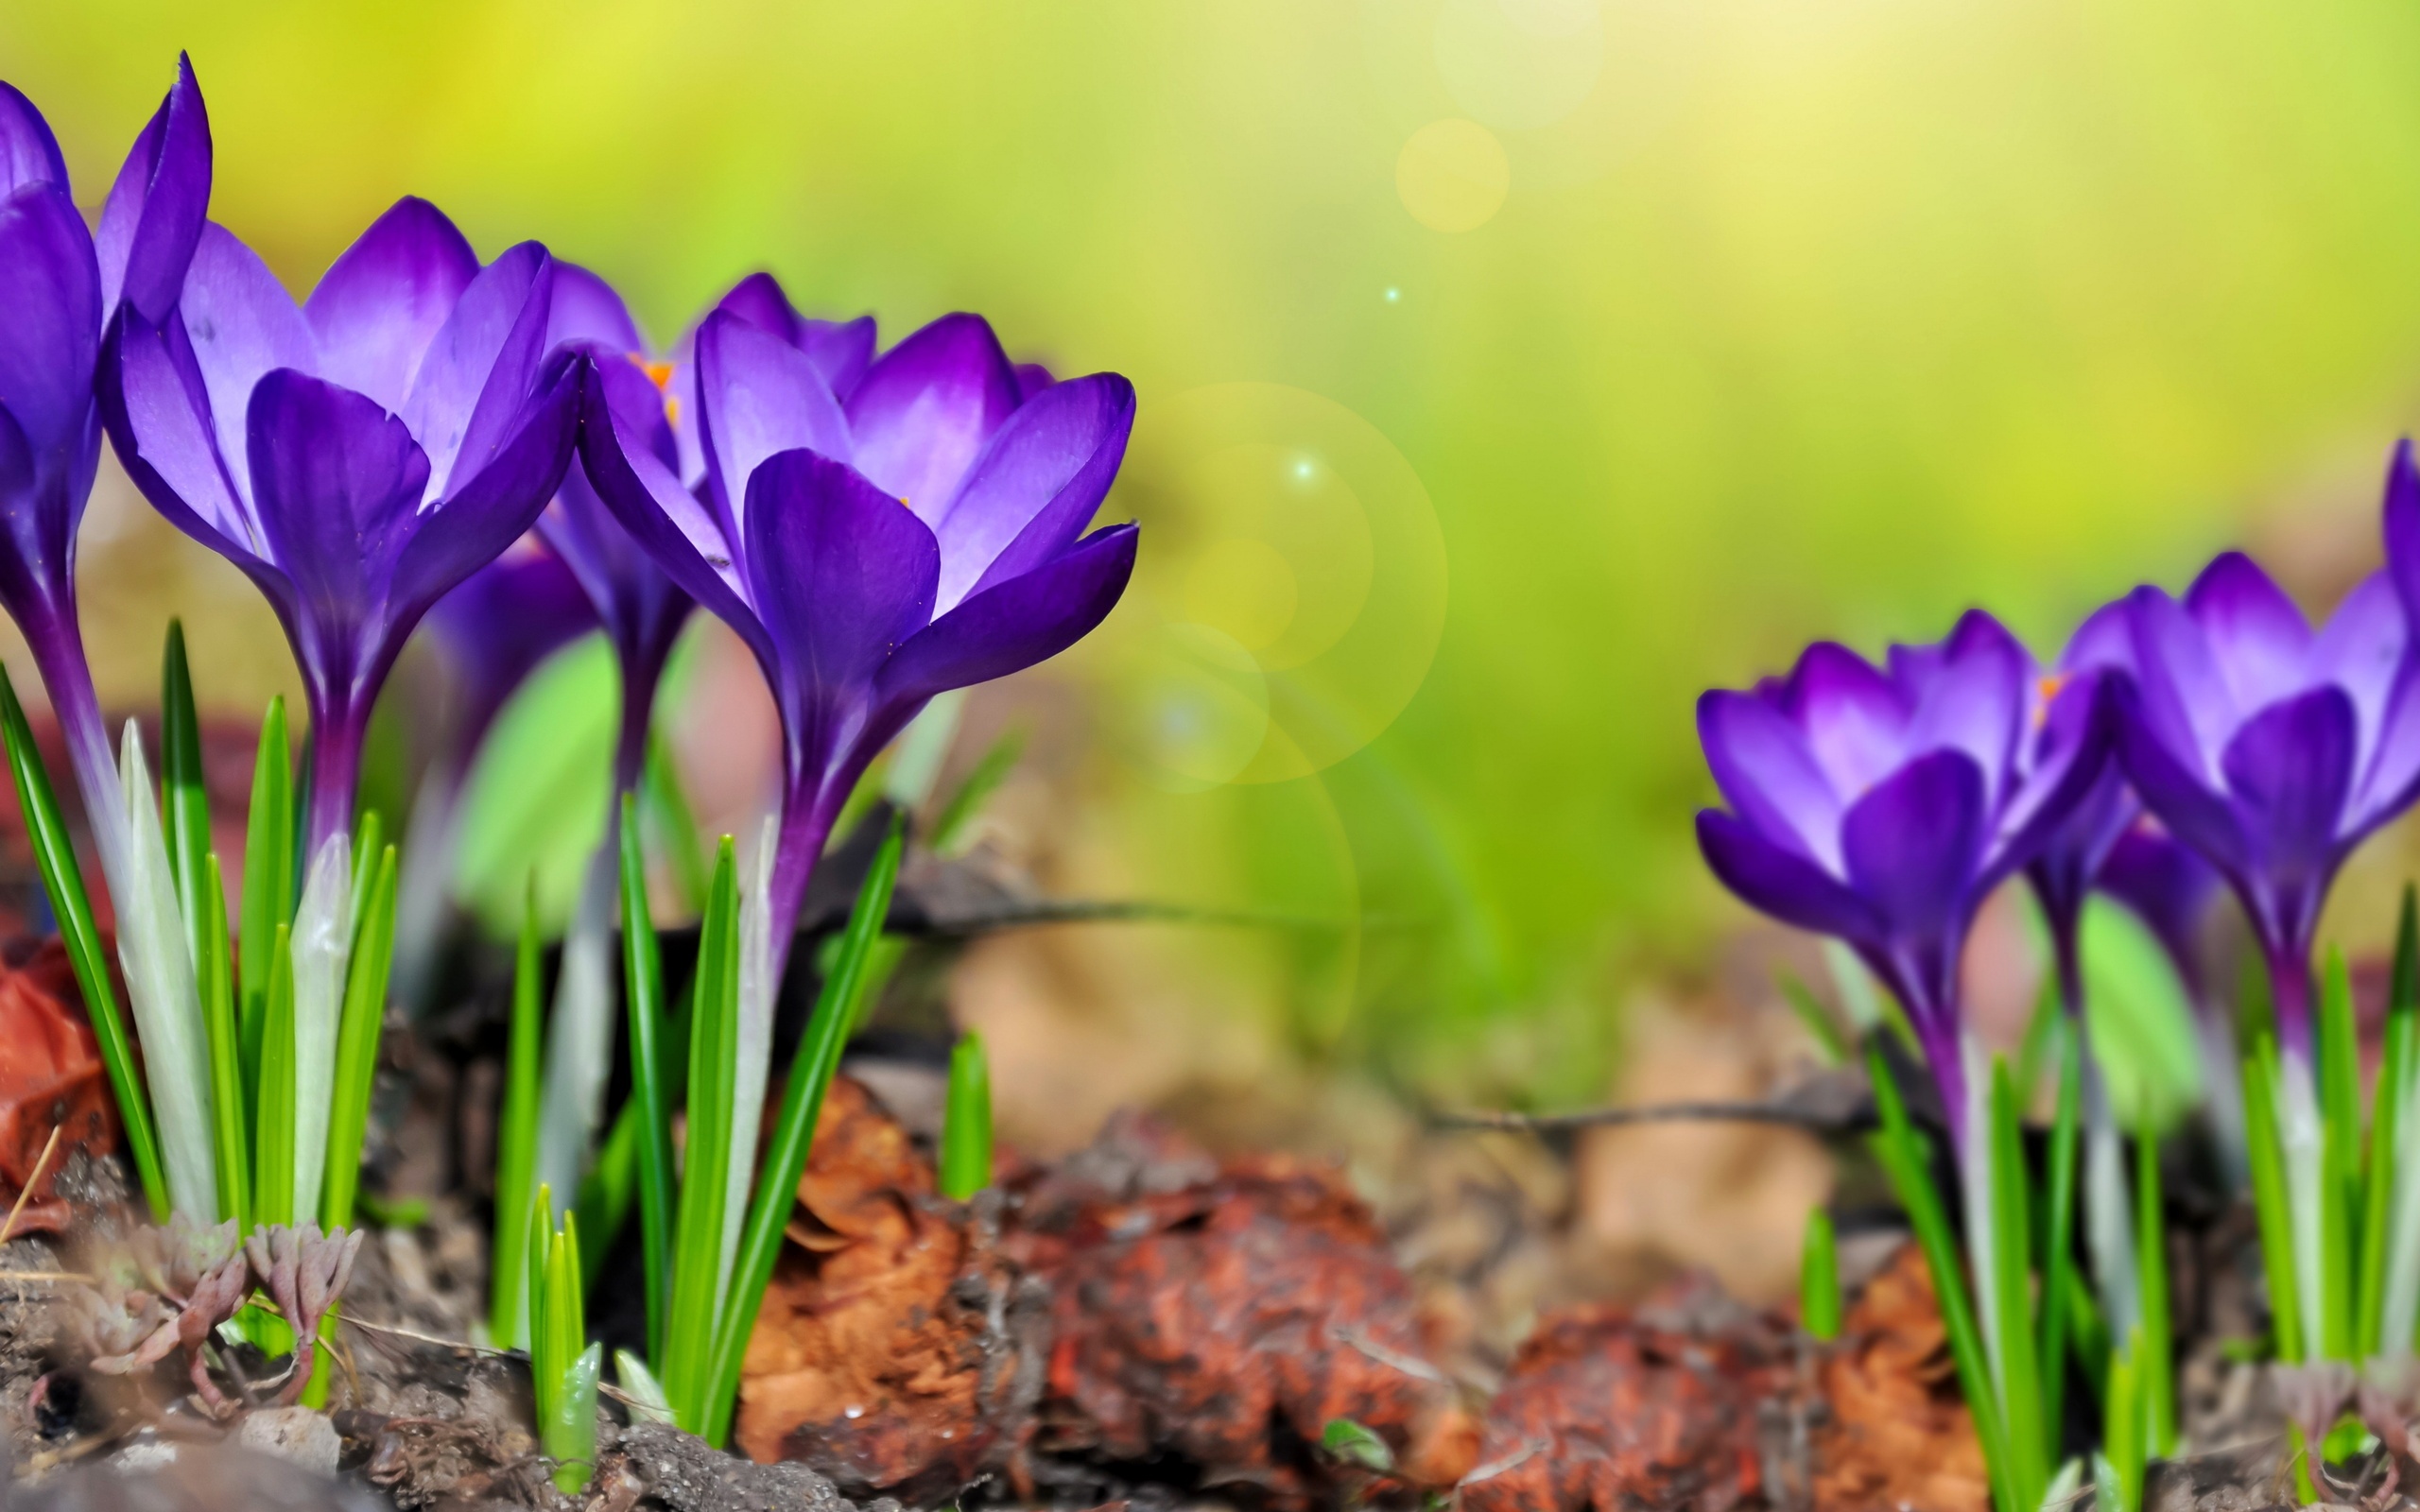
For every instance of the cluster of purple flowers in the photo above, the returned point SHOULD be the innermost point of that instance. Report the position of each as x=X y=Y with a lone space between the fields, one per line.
x=2220 y=732
x=878 y=526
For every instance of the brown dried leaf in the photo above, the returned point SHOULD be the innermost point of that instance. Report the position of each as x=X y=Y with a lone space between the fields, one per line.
x=1899 y=1434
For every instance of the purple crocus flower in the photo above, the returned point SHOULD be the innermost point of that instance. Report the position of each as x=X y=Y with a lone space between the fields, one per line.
x=2271 y=749
x=356 y=456
x=1881 y=804
x=923 y=534
x=2073 y=852
x=57 y=286
x=641 y=607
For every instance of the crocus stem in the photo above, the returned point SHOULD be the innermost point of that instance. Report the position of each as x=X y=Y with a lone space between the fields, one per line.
x=335 y=771
x=807 y=816
x=2108 y=1205
x=58 y=646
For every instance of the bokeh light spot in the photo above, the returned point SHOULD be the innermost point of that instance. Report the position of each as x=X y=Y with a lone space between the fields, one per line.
x=1453 y=175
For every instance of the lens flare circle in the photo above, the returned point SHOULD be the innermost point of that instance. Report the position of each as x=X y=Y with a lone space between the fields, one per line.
x=1453 y=175
x=1292 y=599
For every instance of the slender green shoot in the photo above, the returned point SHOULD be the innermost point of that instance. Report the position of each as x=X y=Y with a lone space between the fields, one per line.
x=967 y=1120
x=1818 y=1277
x=2121 y=1463
x=516 y=1145
x=273 y=1130
x=698 y=1223
x=1905 y=1158
x=365 y=1013
x=2382 y=1174
x=644 y=1394
x=950 y=825
x=564 y=1366
x=1830 y=1042
x=649 y=1110
x=229 y=1097
x=183 y=798
x=2154 y=1350
x=811 y=1071
x=268 y=880
x=2264 y=1149
x=2059 y=1279
x=2029 y=1446
x=2340 y=1122
x=55 y=858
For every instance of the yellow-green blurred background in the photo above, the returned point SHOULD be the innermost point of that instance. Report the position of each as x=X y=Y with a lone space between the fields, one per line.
x=1509 y=371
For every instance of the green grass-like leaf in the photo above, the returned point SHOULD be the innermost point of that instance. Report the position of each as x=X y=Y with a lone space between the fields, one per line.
x=365 y=1012
x=608 y=1189
x=811 y=1071
x=268 y=880
x=2266 y=1152
x=2058 y=1278
x=55 y=858
x=516 y=1146
x=2382 y=1168
x=273 y=1130
x=698 y=1224
x=649 y=1110
x=967 y=1120
x=2155 y=1352
x=183 y=800
x=2029 y=1447
x=2340 y=1122
x=676 y=824
x=958 y=811
x=1905 y=1159
x=229 y=1097
x=1830 y=1040
x=1818 y=1277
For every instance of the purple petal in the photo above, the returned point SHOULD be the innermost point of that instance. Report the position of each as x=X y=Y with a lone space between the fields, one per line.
x=1976 y=701
x=2185 y=703
x=154 y=213
x=474 y=381
x=2390 y=776
x=926 y=407
x=2171 y=785
x=157 y=408
x=28 y=153
x=644 y=493
x=1036 y=486
x=241 y=323
x=500 y=623
x=1032 y=378
x=2258 y=638
x=2104 y=640
x=2359 y=649
x=1855 y=719
x=498 y=503
x=839 y=351
x=2290 y=770
x=839 y=573
x=1782 y=882
x=337 y=482
x=50 y=317
x=756 y=396
x=2064 y=770
x=1761 y=763
x=1914 y=845
x=2402 y=526
x=586 y=308
x=385 y=299
x=1017 y=624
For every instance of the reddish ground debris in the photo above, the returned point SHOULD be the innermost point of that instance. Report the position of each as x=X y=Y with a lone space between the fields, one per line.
x=1899 y=1433
x=50 y=1078
x=1615 y=1408
x=1227 y=1314
x=869 y=1362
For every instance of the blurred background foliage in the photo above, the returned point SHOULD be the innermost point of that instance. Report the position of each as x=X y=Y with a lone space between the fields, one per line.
x=1509 y=371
